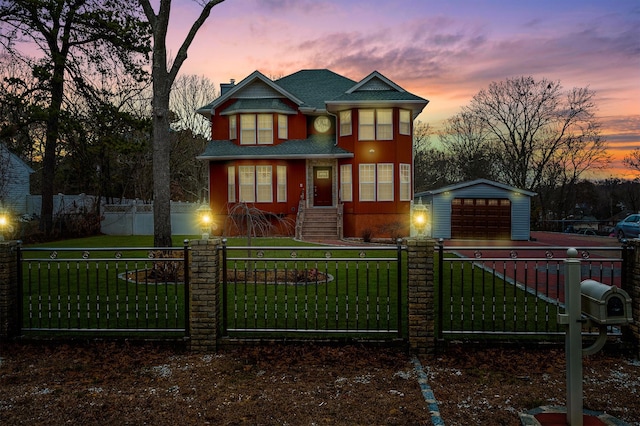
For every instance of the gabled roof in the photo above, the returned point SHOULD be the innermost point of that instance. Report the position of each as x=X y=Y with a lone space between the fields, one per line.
x=377 y=90
x=461 y=185
x=321 y=146
x=319 y=91
x=233 y=92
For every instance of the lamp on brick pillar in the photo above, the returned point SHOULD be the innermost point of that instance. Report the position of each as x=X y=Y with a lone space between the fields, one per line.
x=205 y=219
x=4 y=223
x=420 y=217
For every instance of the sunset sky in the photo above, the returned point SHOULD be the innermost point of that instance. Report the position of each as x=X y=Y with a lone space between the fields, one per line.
x=444 y=51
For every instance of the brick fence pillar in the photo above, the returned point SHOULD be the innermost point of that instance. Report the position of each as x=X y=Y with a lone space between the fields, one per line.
x=421 y=309
x=204 y=301
x=9 y=321
x=631 y=284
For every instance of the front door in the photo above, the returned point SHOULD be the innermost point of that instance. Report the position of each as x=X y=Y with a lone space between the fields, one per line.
x=322 y=186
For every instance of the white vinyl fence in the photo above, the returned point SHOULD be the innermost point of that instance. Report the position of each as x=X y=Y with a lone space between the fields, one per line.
x=137 y=219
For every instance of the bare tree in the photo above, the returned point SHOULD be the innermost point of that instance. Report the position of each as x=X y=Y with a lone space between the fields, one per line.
x=633 y=159
x=164 y=75
x=190 y=92
x=533 y=122
x=469 y=147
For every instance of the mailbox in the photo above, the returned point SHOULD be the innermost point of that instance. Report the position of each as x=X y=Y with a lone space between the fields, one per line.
x=605 y=304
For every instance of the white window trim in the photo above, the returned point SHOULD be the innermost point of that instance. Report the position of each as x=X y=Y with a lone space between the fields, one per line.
x=380 y=126
x=283 y=126
x=264 y=131
x=371 y=127
x=231 y=184
x=383 y=187
x=346 y=182
x=346 y=125
x=371 y=183
x=281 y=173
x=245 y=130
x=404 y=127
x=264 y=189
x=233 y=127
x=247 y=190
x=405 y=184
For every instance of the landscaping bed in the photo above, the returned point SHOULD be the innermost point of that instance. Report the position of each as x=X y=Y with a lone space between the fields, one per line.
x=96 y=383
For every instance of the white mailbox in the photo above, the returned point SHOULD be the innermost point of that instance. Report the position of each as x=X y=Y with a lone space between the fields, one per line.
x=605 y=304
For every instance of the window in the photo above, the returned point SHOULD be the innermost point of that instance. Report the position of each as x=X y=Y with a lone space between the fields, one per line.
x=366 y=128
x=282 y=183
x=231 y=184
x=367 y=182
x=264 y=184
x=384 y=124
x=345 y=123
x=247 y=129
x=233 y=129
x=246 y=180
x=256 y=127
x=405 y=122
x=405 y=182
x=283 y=129
x=346 y=185
x=375 y=124
x=265 y=129
x=385 y=182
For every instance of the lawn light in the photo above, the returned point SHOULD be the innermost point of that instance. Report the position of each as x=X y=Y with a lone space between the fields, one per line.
x=205 y=219
x=420 y=217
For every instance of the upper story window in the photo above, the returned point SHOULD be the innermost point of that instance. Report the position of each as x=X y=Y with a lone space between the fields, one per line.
x=233 y=127
x=404 y=126
x=345 y=123
x=375 y=124
x=283 y=128
x=256 y=128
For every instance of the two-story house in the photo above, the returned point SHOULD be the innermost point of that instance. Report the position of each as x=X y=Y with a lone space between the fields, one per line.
x=334 y=154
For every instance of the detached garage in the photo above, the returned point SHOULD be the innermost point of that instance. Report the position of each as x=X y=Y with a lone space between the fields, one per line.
x=480 y=209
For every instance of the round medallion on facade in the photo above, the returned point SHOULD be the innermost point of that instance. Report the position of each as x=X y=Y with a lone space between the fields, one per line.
x=322 y=124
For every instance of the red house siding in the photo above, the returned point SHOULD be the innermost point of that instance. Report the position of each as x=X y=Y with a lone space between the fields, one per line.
x=219 y=182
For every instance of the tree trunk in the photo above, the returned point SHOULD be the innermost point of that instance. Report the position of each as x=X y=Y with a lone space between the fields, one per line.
x=161 y=165
x=49 y=159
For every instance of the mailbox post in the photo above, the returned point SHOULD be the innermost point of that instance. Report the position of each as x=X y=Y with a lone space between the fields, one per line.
x=602 y=305
x=573 y=340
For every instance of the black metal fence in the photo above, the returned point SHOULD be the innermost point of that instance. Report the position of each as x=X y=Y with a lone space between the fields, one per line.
x=512 y=291
x=135 y=290
x=330 y=292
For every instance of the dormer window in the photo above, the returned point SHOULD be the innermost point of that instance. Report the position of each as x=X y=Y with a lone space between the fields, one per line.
x=256 y=128
x=233 y=127
x=283 y=128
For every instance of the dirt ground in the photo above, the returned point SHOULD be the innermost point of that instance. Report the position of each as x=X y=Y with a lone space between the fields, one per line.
x=104 y=383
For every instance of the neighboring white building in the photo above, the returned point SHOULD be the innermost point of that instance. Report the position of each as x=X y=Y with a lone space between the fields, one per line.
x=14 y=181
x=479 y=209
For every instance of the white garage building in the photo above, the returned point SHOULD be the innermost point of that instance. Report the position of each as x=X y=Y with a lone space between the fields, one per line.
x=479 y=209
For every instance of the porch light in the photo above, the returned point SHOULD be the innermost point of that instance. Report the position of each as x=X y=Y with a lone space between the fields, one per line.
x=420 y=217
x=205 y=219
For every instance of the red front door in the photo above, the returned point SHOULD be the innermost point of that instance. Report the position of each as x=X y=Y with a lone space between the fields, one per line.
x=322 y=186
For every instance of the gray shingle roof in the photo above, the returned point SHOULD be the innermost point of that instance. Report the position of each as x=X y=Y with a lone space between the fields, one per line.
x=315 y=87
x=315 y=146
